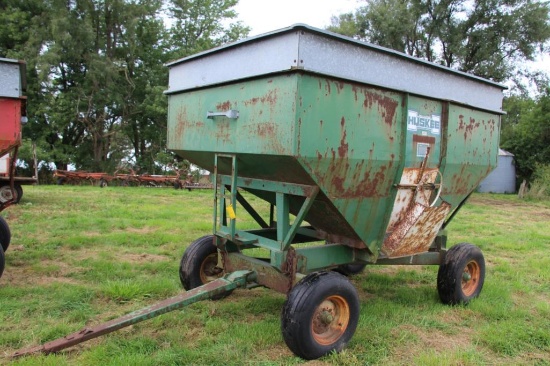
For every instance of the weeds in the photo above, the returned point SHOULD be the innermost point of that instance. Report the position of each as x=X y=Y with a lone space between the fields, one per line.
x=539 y=189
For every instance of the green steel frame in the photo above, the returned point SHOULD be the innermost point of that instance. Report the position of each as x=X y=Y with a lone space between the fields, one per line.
x=279 y=235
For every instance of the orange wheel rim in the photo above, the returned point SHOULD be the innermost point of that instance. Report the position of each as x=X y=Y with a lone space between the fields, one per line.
x=330 y=320
x=470 y=278
x=209 y=269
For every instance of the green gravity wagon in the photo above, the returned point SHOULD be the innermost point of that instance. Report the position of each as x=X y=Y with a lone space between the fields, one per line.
x=345 y=155
x=363 y=154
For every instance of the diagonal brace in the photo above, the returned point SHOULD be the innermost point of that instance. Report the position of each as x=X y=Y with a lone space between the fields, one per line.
x=300 y=216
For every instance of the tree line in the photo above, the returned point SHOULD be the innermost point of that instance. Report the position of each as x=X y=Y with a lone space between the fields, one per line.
x=96 y=76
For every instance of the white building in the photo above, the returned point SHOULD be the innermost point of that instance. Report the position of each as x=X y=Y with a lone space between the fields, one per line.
x=503 y=178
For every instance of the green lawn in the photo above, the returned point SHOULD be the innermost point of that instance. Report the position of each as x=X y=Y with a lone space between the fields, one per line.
x=84 y=255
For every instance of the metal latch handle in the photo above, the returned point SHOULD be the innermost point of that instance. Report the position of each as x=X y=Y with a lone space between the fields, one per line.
x=231 y=114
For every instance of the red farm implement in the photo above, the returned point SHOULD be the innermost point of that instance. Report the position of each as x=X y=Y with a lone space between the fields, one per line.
x=126 y=179
x=12 y=114
x=77 y=177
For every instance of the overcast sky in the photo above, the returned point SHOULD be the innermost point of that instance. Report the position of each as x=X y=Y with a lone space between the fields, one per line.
x=268 y=15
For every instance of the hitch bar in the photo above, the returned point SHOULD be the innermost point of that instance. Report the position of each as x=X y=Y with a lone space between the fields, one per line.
x=237 y=279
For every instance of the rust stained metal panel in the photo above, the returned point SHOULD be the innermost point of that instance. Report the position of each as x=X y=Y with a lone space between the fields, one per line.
x=414 y=223
x=266 y=274
x=404 y=197
x=264 y=126
x=416 y=232
x=471 y=152
x=349 y=141
x=408 y=196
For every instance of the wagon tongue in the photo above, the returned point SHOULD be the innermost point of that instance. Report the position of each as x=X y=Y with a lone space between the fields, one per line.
x=228 y=283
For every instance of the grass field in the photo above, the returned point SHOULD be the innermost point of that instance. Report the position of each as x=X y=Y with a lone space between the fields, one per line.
x=83 y=255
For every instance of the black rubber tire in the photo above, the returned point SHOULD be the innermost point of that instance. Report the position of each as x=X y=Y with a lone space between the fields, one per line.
x=18 y=192
x=308 y=324
x=5 y=234
x=198 y=264
x=103 y=183
x=351 y=269
x=60 y=181
x=461 y=276
x=2 y=261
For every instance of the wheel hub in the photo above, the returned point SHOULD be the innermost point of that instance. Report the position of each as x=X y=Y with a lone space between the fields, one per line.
x=5 y=194
x=209 y=269
x=330 y=320
x=326 y=317
x=470 y=278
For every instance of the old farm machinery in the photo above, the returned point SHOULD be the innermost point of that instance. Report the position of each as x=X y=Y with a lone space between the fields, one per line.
x=181 y=180
x=364 y=156
x=12 y=114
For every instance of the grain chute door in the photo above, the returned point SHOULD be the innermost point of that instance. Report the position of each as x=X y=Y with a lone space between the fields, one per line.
x=418 y=212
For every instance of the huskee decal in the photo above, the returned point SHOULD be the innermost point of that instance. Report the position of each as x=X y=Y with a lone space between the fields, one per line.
x=417 y=122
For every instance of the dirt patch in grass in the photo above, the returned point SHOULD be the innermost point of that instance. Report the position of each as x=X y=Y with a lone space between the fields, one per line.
x=57 y=272
x=17 y=248
x=140 y=230
x=429 y=339
x=142 y=258
x=508 y=258
x=92 y=234
x=533 y=211
x=85 y=254
x=526 y=358
x=133 y=230
x=528 y=301
x=274 y=353
x=95 y=254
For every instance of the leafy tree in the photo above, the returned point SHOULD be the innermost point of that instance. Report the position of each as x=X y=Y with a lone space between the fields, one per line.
x=19 y=18
x=526 y=133
x=485 y=37
x=143 y=51
x=516 y=107
x=25 y=158
x=199 y=25
x=96 y=74
x=81 y=80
